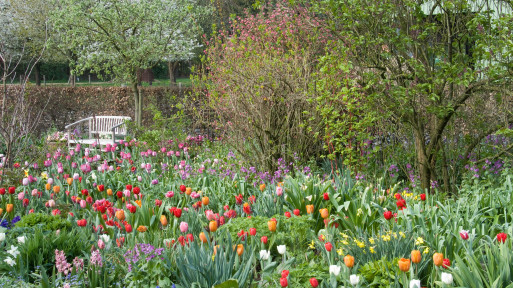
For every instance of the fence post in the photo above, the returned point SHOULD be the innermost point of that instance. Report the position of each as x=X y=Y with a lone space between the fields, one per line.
x=180 y=89
x=89 y=79
x=44 y=80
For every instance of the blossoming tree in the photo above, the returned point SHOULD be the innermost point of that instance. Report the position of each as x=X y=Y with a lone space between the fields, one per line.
x=119 y=37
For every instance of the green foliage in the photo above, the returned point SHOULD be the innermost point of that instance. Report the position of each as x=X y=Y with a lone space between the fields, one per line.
x=380 y=273
x=293 y=232
x=48 y=222
x=197 y=264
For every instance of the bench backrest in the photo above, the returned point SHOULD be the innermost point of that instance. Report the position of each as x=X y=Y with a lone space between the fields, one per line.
x=104 y=124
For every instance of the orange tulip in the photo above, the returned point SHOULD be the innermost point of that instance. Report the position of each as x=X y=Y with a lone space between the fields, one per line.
x=349 y=261
x=109 y=192
x=163 y=220
x=212 y=226
x=138 y=202
x=240 y=249
x=9 y=208
x=48 y=186
x=309 y=209
x=272 y=225
x=56 y=189
x=438 y=259
x=202 y=237
x=1 y=211
x=70 y=181
x=415 y=256
x=120 y=214
x=215 y=249
x=188 y=191
x=262 y=187
x=142 y=228
x=205 y=201
x=404 y=264
x=324 y=213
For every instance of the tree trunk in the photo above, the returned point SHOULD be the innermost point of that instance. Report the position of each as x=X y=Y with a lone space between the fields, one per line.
x=172 y=68
x=424 y=169
x=37 y=74
x=138 y=100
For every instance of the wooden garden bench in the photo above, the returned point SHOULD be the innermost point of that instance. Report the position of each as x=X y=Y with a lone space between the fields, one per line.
x=99 y=126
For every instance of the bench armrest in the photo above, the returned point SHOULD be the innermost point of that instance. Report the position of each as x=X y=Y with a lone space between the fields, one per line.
x=116 y=126
x=79 y=121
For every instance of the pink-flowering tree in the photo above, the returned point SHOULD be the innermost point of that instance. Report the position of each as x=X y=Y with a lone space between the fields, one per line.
x=257 y=78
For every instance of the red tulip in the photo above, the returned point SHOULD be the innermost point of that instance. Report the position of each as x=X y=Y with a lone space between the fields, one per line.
x=183 y=188
x=501 y=237
x=158 y=202
x=287 y=214
x=137 y=190
x=314 y=282
x=401 y=203
x=326 y=196
x=252 y=231
x=131 y=208
x=101 y=188
x=446 y=263
x=128 y=228
x=264 y=239
x=190 y=237
x=178 y=212
x=2 y=191
x=388 y=215
x=25 y=202
x=464 y=234
x=238 y=199
x=284 y=282
x=128 y=187
x=398 y=196
x=85 y=192
x=328 y=246
x=297 y=212
x=119 y=194
x=284 y=273
x=423 y=197
x=12 y=190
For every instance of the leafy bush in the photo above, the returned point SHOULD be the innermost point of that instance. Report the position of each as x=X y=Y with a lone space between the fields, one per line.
x=47 y=221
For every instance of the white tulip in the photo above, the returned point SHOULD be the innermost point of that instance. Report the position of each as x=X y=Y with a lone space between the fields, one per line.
x=105 y=238
x=447 y=278
x=282 y=249
x=335 y=270
x=10 y=261
x=354 y=279
x=2 y=237
x=415 y=283
x=21 y=239
x=264 y=254
x=13 y=251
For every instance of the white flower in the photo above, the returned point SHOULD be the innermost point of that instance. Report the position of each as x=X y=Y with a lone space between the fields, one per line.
x=414 y=283
x=2 y=237
x=282 y=249
x=264 y=254
x=335 y=270
x=21 y=239
x=10 y=261
x=447 y=278
x=354 y=279
x=105 y=238
x=13 y=251
x=309 y=198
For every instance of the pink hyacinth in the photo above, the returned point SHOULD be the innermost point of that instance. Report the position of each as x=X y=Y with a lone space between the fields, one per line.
x=61 y=264
x=96 y=258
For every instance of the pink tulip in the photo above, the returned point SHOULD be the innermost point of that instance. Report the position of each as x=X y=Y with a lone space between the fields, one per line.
x=464 y=234
x=170 y=194
x=83 y=203
x=51 y=203
x=34 y=193
x=21 y=196
x=184 y=227
x=279 y=191
x=101 y=244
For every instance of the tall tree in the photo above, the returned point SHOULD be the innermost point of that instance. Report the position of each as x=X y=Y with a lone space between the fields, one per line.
x=430 y=65
x=119 y=37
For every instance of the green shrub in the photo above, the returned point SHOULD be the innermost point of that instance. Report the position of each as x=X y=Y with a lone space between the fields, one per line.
x=48 y=222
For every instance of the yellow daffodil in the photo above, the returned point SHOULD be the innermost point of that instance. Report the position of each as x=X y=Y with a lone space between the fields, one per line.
x=312 y=245
x=371 y=240
x=344 y=235
x=26 y=172
x=340 y=251
x=361 y=244
x=44 y=175
x=345 y=242
x=419 y=241
x=402 y=234
x=359 y=212
x=395 y=235
x=371 y=249
x=386 y=238
x=426 y=250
